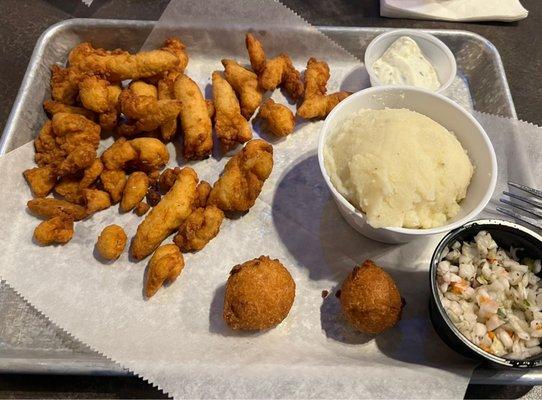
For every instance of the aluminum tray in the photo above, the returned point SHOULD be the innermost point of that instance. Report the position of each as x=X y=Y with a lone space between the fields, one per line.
x=29 y=343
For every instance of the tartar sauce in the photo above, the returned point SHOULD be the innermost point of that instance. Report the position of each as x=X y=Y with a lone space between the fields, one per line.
x=403 y=63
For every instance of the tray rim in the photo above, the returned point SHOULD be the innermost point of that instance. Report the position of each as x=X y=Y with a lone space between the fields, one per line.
x=99 y=365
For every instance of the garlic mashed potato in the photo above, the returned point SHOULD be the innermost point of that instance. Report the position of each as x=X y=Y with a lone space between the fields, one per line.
x=399 y=167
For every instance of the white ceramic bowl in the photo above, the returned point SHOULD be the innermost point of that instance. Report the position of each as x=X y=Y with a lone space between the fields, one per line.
x=436 y=52
x=442 y=110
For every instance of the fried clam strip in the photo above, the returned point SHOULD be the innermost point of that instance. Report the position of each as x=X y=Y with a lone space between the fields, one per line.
x=245 y=84
x=165 y=92
x=67 y=144
x=65 y=84
x=146 y=112
x=118 y=155
x=195 y=121
x=316 y=104
x=165 y=265
x=135 y=190
x=41 y=180
x=53 y=107
x=277 y=119
x=280 y=71
x=118 y=65
x=243 y=177
x=275 y=72
x=58 y=229
x=256 y=53
x=50 y=207
x=167 y=215
x=99 y=95
x=108 y=119
x=231 y=127
x=199 y=228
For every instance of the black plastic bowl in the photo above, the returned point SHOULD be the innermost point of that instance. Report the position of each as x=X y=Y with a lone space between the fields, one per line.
x=506 y=234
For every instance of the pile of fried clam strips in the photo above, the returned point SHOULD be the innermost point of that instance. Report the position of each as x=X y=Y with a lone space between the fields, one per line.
x=178 y=340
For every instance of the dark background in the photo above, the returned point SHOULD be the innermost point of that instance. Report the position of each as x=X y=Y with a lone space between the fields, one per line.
x=22 y=22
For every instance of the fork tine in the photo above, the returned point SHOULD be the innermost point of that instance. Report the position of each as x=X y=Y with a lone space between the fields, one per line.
x=529 y=209
x=527 y=199
x=519 y=217
x=527 y=189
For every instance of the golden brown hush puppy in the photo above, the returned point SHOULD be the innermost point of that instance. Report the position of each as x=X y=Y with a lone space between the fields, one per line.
x=370 y=300
x=259 y=295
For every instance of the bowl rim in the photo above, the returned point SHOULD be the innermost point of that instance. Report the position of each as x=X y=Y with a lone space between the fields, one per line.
x=438 y=97
x=434 y=289
x=413 y=33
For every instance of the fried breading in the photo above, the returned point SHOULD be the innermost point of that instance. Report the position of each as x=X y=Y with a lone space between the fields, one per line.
x=277 y=119
x=118 y=154
x=52 y=107
x=49 y=207
x=48 y=152
x=135 y=190
x=167 y=215
x=195 y=121
x=141 y=208
x=231 y=127
x=68 y=144
x=176 y=47
x=165 y=265
x=165 y=92
x=153 y=197
x=147 y=112
x=41 y=180
x=203 y=189
x=108 y=119
x=243 y=177
x=141 y=88
x=167 y=178
x=119 y=65
x=58 y=229
x=91 y=174
x=199 y=228
x=280 y=71
x=210 y=108
x=256 y=53
x=151 y=153
x=65 y=84
x=316 y=104
x=113 y=182
x=259 y=295
x=245 y=84
x=95 y=200
x=68 y=188
x=93 y=93
x=111 y=242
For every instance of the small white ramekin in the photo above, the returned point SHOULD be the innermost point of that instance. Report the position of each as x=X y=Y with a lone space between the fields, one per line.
x=468 y=131
x=436 y=52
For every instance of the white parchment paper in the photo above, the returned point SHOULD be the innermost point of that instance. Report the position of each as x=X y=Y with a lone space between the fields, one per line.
x=178 y=340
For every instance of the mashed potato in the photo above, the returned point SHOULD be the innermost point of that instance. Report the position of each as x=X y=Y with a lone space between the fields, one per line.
x=401 y=168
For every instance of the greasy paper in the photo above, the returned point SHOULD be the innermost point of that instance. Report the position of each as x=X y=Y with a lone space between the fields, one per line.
x=178 y=340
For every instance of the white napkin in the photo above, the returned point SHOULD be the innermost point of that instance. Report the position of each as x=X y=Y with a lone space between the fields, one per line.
x=454 y=10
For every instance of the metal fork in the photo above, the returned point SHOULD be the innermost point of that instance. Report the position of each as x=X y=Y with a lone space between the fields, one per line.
x=531 y=204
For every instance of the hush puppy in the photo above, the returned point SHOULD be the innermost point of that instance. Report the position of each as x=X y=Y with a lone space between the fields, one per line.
x=370 y=300
x=259 y=295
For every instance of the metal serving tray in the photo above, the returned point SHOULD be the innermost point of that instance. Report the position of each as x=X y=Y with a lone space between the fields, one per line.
x=29 y=343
